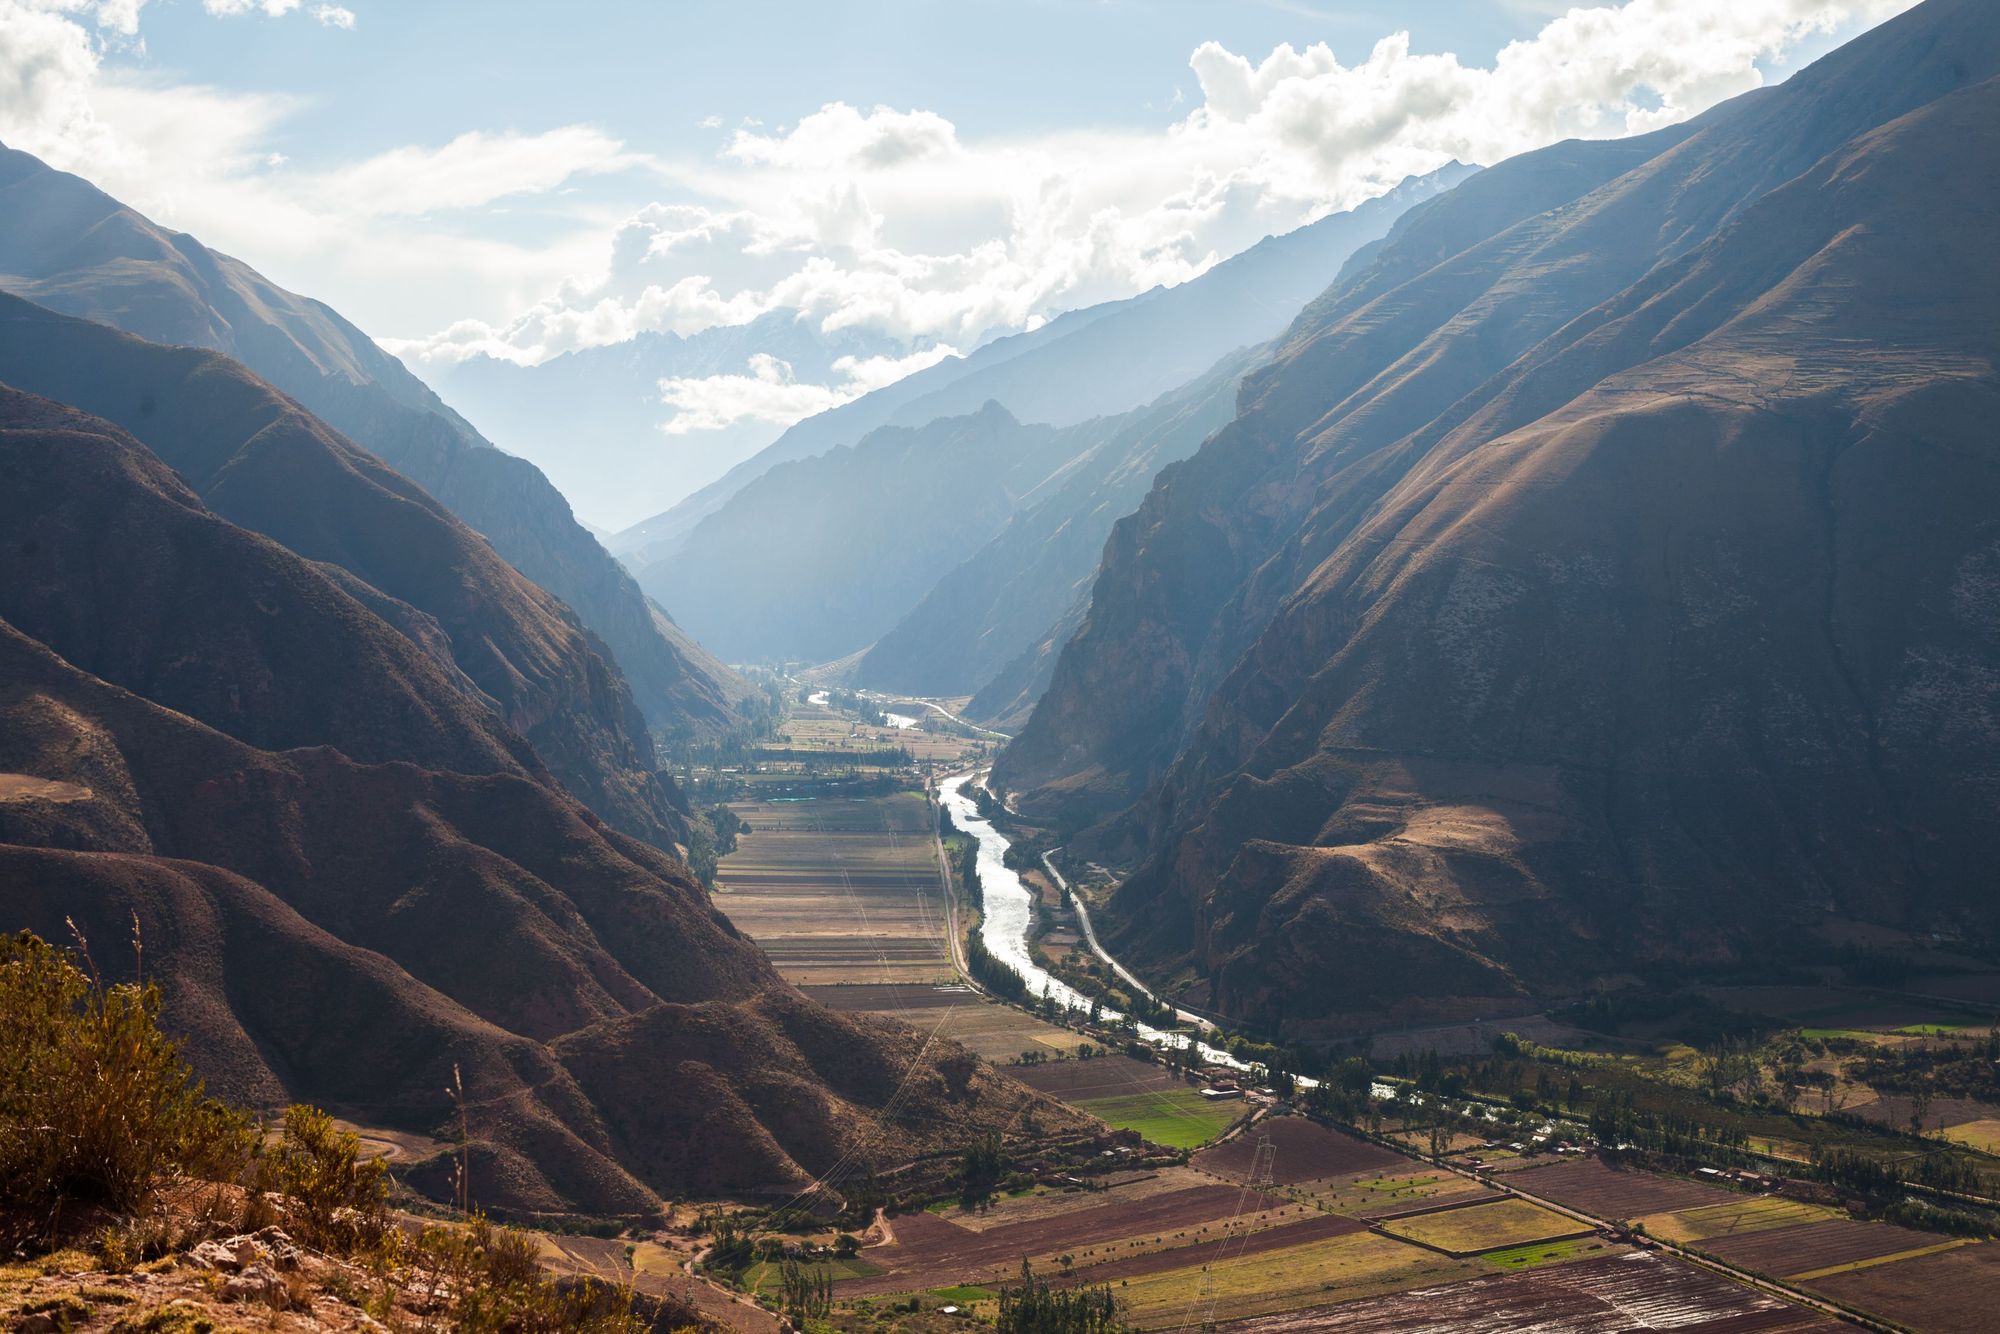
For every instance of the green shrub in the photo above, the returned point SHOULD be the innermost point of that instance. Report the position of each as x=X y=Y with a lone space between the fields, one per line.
x=96 y=1105
x=336 y=1201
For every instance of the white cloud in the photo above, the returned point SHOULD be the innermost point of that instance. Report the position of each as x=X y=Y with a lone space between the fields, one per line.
x=860 y=218
x=334 y=16
x=887 y=219
x=230 y=8
x=769 y=393
x=471 y=170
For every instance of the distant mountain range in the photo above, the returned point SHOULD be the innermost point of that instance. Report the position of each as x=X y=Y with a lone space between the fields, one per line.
x=1099 y=361
x=592 y=419
x=1601 y=576
x=68 y=246
x=1069 y=421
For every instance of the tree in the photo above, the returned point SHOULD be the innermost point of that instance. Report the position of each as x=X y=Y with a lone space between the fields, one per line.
x=1031 y=1306
x=981 y=1165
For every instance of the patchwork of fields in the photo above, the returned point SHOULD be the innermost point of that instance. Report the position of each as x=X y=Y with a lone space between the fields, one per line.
x=1919 y=1279
x=840 y=891
x=1135 y=1095
x=845 y=894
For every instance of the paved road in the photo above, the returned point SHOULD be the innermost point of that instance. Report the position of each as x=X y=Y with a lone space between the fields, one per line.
x=1090 y=937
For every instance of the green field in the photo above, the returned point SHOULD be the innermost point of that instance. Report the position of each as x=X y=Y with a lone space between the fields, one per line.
x=1542 y=1253
x=1176 y=1118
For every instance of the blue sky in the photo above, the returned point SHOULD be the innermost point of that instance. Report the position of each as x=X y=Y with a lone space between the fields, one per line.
x=519 y=179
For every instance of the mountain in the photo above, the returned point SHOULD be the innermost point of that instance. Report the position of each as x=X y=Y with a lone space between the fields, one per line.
x=817 y=557
x=1599 y=578
x=72 y=248
x=257 y=459
x=591 y=419
x=354 y=884
x=1007 y=598
x=1099 y=361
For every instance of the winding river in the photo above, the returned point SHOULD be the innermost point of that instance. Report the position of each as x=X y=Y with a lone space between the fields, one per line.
x=1009 y=916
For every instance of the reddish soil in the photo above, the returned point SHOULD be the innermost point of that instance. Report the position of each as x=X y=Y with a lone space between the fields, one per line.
x=1609 y=1191
x=1305 y=1152
x=1800 y=1250
x=932 y=1251
x=1100 y=1077
x=1183 y=1257
x=1628 y=1294
x=1956 y=1292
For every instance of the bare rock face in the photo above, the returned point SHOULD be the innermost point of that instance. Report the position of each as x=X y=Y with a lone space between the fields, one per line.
x=1598 y=578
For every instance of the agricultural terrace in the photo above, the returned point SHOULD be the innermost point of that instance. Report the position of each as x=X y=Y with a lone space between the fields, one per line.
x=999 y=1033
x=1480 y=1226
x=1604 y=1292
x=840 y=891
x=1127 y=1094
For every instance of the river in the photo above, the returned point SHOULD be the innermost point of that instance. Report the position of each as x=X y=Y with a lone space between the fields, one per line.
x=1009 y=916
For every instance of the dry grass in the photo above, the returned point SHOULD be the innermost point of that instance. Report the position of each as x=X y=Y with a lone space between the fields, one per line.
x=1484 y=1227
x=1735 y=1218
x=1339 y=1269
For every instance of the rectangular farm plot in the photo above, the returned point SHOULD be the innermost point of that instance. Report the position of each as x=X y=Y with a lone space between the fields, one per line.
x=931 y=1250
x=1135 y=1095
x=1343 y=1268
x=840 y=890
x=1632 y=1290
x=1174 y=1118
x=1100 y=1077
x=1735 y=1218
x=999 y=1033
x=1472 y=1229
x=1603 y=1190
x=1983 y=1135
x=1818 y=1250
x=1950 y=1292
x=1373 y=1195
x=1304 y=1151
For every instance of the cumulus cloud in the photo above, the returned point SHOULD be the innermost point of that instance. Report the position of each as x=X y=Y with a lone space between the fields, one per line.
x=769 y=393
x=886 y=219
x=873 y=219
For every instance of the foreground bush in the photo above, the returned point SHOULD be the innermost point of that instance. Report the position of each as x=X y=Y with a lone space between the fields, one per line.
x=96 y=1105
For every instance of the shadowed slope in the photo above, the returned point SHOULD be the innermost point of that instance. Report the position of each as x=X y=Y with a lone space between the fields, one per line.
x=73 y=248
x=349 y=929
x=261 y=462
x=1657 y=640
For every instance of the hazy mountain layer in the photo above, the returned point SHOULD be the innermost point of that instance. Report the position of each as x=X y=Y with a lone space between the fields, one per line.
x=1007 y=598
x=591 y=419
x=1099 y=361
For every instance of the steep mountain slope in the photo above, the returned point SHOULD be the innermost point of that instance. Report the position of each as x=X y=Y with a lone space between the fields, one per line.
x=590 y=419
x=340 y=917
x=261 y=462
x=1099 y=361
x=1606 y=587
x=70 y=247
x=1008 y=597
